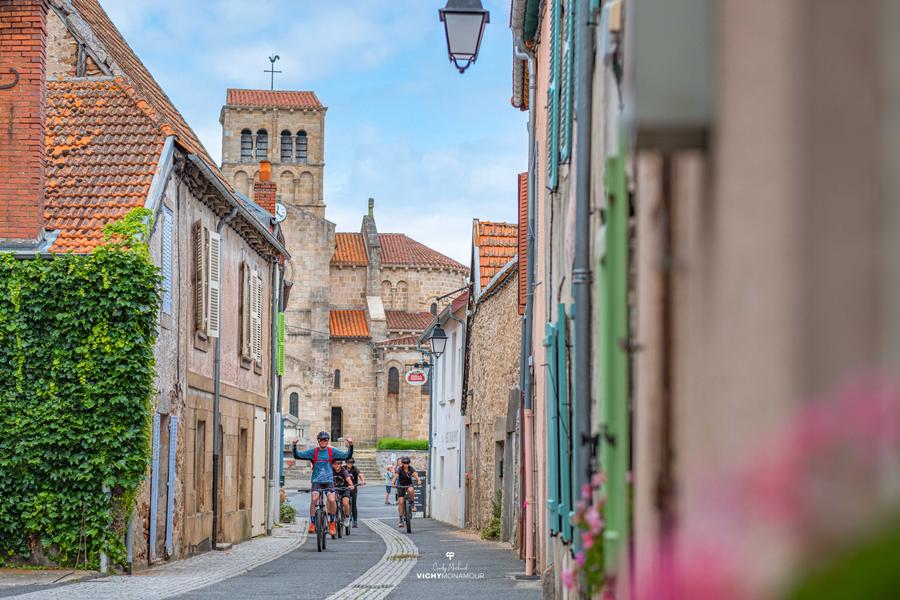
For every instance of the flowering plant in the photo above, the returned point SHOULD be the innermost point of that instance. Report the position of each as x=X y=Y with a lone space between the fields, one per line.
x=588 y=565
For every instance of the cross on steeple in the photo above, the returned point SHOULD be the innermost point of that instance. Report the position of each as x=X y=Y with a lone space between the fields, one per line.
x=272 y=70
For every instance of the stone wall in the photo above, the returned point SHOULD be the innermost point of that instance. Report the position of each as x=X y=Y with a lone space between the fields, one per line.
x=356 y=396
x=348 y=287
x=493 y=371
x=424 y=284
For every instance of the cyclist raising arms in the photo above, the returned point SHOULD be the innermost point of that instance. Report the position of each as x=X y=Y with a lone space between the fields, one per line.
x=404 y=476
x=322 y=474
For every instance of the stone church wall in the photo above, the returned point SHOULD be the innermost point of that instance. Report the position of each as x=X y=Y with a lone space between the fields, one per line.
x=424 y=285
x=348 y=287
x=356 y=396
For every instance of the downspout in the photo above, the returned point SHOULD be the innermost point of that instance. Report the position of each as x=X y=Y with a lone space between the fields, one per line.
x=273 y=343
x=581 y=272
x=522 y=53
x=280 y=407
x=217 y=416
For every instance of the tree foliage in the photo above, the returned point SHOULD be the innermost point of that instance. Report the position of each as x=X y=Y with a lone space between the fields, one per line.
x=76 y=381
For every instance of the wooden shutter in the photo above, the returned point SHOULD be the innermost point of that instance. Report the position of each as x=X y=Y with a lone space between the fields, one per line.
x=553 y=97
x=565 y=430
x=246 y=342
x=553 y=466
x=256 y=317
x=200 y=234
x=214 y=283
x=279 y=357
x=167 y=233
x=567 y=82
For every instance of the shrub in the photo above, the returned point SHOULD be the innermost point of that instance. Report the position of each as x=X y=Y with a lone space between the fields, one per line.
x=402 y=444
x=492 y=531
x=288 y=512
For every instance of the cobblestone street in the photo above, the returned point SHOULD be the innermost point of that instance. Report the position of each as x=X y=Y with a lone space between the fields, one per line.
x=378 y=560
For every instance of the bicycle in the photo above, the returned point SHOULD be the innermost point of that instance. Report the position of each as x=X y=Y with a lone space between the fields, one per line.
x=407 y=505
x=320 y=519
x=340 y=517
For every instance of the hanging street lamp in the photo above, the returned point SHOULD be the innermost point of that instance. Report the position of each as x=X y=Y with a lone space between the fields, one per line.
x=464 y=22
x=438 y=341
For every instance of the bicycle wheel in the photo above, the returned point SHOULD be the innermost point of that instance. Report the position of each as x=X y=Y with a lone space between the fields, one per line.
x=324 y=528
x=340 y=520
x=408 y=511
x=320 y=543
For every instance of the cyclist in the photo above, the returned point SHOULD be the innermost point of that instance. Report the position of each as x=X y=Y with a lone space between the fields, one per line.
x=343 y=484
x=358 y=480
x=403 y=478
x=322 y=474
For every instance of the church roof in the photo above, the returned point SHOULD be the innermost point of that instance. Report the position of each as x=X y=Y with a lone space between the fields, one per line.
x=349 y=250
x=407 y=340
x=348 y=324
x=407 y=321
x=497 y=244
x=271 y=98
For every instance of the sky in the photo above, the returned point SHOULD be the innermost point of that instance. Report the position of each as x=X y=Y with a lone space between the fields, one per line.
x=433 y=147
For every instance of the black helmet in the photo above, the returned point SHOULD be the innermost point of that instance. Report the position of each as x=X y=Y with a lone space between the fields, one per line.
x=405 y=460
x=323 y=435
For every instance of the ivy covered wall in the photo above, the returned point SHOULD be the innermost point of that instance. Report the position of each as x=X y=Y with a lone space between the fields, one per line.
x=76 y=382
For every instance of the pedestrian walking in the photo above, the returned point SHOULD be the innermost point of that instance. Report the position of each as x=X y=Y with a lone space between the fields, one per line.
x=388 y=478
x=358 y=480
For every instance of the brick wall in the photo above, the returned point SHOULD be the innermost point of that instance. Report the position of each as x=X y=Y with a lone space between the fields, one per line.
x=23 y=32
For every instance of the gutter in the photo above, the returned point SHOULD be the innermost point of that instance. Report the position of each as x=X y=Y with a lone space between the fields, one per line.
x=217 y=417
x=237 y=205
x=160 y=176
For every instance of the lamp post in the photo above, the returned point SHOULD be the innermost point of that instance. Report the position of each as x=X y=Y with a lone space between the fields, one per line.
x=438 y=341
x=464 y=22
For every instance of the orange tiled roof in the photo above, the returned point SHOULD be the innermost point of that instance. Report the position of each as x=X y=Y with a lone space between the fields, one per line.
x=102 y=148
x=348 y=324
x=398 y=249
x=349 y=250
x=497 y=245
x=407 y=340
x=407 y=321
x=279 y=98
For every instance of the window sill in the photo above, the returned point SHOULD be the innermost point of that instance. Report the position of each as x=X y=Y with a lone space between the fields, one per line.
x=201 y=342
x=246 y=363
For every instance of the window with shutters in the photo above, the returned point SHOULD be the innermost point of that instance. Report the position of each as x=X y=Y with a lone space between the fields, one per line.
x=245 y=342
x=287 y=146
x=393 y=381
x=553 y=85
x=246 y=146
x=302 y=146
x=262 y=145
x=256 y=310
x=200 y=267
x=214 y=285
x=567 y=81
x=168 y=233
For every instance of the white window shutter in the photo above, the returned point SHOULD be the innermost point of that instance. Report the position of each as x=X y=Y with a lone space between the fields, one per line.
x=214 y=282
x=257 y=317
x=167 y=232
x=246 y=309
x=200 y=234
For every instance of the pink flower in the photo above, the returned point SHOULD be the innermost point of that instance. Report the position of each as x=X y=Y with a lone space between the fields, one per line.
x=594 y=520
x=598 y=479
x=587 y=540
x=586 y=492
x=568 y=578
x=579 y=559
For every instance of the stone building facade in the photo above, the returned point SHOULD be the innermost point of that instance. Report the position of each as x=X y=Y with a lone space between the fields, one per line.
x=358 y=300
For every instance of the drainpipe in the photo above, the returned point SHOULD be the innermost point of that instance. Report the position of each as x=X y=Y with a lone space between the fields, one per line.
x=280 y=406
x=521 y=53
x=217 y=416
x=273 y=343
x=581 y=272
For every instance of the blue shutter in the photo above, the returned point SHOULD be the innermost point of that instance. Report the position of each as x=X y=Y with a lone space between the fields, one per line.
x=552 y=432
x=154 y=487
x=563 y=422
x=170 y=496
x=167 y=231
x=553 y=97
x=567 y=83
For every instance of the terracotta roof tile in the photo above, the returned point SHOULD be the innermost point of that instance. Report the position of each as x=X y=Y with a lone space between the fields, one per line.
x=398 y=249
x=497 y=245
x=279 y=98
x=349 y=250
x=459 y=302
x=348 y=324
x=407 y=321
x=102 y=150
x=407 y=340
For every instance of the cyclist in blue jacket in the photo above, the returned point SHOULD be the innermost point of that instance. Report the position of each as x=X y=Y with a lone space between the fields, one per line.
x=323 y=475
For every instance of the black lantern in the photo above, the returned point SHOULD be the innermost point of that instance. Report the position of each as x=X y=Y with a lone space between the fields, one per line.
x=438 y=341
x=464 y=22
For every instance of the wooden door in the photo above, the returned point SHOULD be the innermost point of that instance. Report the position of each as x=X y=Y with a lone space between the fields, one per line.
x=258 y=500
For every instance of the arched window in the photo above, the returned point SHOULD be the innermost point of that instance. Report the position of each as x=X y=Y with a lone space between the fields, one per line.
x=302 y=146
x=295 y=404
x=393 y=381
x=246 y=146
x=337 y=379
x=262 y=144
x=287 y=146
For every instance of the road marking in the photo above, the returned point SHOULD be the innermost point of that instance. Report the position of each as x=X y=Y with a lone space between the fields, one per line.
x=180 y=576
x=399 y=557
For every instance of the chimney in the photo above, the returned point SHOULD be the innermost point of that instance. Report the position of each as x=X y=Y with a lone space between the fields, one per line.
x=264 y=189
x=23 y=33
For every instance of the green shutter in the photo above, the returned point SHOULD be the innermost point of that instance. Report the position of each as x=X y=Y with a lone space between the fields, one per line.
x=553 y=495
x=279 y=352
x=567 y=83
x=553 y=97
x=564 y=436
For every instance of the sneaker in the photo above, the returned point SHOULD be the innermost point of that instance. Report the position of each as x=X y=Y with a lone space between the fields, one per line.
x=346 y=523
x=312 y=527
x=354 y=524
x=332 y=529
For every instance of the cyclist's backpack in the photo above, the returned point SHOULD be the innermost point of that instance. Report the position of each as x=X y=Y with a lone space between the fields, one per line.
x=316 y=456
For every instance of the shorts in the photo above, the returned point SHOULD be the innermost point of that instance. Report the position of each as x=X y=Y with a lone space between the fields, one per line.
x=401 y=489
x=341 y=494
x=316 y=486
x=387 y=489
